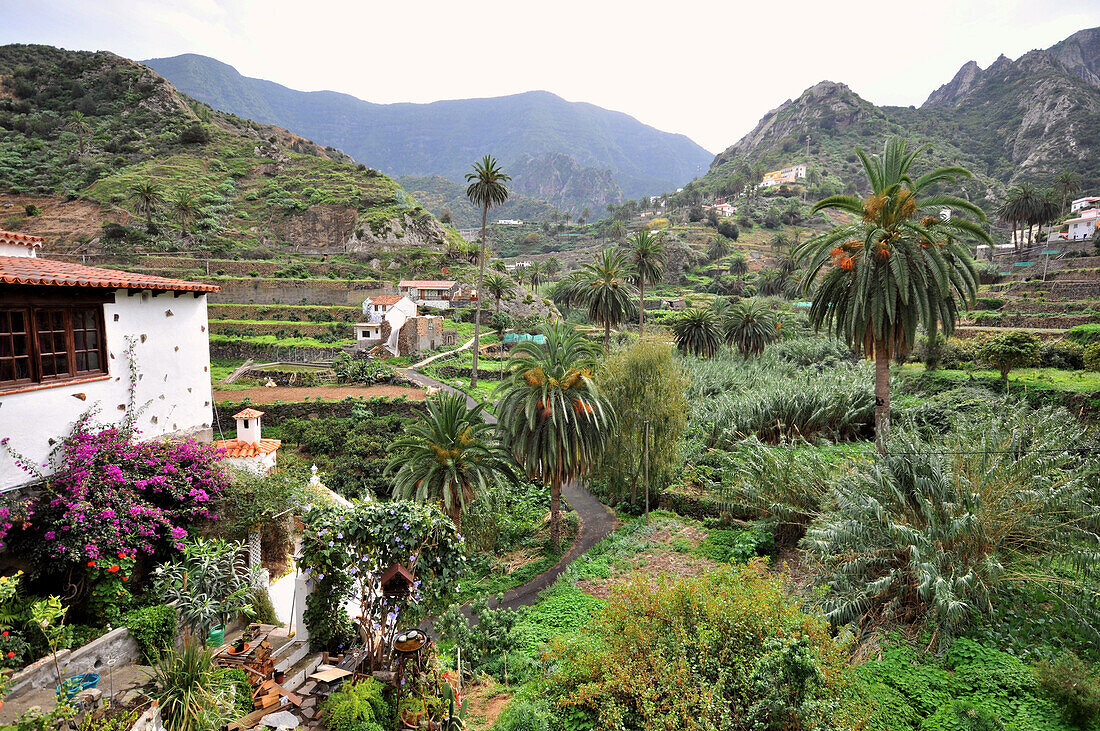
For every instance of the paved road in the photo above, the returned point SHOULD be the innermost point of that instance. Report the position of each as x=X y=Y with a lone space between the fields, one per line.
x=596 y=519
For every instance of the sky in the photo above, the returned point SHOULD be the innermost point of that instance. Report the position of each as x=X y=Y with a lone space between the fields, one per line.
x=709 y=69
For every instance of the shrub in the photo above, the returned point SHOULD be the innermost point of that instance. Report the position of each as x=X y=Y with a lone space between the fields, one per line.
x=485 y=640
x=1074 y=685
x=358 y=370
x=357 y=706
x=191 y=690
x=1063 y=354
x=154 y=629
x=935 y=526
x=789 y=487
x=821 y=352
x=1085 y=334
x=736 y=546
x=1091 y=357
x=718 y=651
x=1015 y=349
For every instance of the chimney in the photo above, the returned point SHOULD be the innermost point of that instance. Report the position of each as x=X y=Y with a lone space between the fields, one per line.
x=248 y=426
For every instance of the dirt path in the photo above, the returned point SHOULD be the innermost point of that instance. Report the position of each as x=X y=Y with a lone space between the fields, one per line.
x=262 y=395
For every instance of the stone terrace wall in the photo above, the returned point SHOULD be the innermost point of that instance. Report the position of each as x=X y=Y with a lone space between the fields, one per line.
x=296 y=291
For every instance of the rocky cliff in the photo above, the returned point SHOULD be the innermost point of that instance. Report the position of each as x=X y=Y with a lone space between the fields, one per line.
x=561 y=182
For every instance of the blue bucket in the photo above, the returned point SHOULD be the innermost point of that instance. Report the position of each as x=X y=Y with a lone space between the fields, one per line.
x=71 y=686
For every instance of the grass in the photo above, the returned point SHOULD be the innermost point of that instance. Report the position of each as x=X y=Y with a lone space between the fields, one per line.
x=271 y=340
x=1053 y=379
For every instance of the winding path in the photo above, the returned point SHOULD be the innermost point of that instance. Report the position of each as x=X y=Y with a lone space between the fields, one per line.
x=596 y=519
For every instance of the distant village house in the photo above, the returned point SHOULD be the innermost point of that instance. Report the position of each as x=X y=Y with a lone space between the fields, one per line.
x=784 y=176
x=438 y=293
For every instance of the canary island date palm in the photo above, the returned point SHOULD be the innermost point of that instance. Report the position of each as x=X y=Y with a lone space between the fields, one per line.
x=698 y=332
x=147 y=199
x=448 y=456
x=896 y=266
x=603 y=288
x=485 y=188
x=552 y=417
x=646 y=253
x=749 y=325
x=498 y=286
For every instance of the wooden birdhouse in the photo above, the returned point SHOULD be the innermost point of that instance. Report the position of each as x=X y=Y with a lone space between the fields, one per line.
x=397 y=581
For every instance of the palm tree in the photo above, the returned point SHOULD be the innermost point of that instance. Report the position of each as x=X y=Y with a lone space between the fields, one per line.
x=718 y=248
x=147 y=198
x=485 y=189
x=749 y=325
x=738 y=265
x=616 y=230
x=534 y=274
x=185 y=207
x=498 y=286
x=498 y=265
x=552 y=417
x=565 y=293
x=646 y=253
x=1067 y=185
x=448 y=456
x=896 y=268
x=551 y=267
x=1019 y=209
x=78 y=124
x=604 y=289
x=698 y=332
x=771 y=282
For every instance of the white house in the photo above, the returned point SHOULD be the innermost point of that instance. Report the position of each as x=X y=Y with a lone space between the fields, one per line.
x=725 y=209
x=509 y=222
x=250 y=451
x=436 y=293
x=375 y=308
x=67 y=333
x=1080 y=203
x=1083 y=226
x=786 y=175
x=384 y=308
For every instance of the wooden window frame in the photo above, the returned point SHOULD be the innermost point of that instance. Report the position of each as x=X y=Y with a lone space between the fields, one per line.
x=33 y=303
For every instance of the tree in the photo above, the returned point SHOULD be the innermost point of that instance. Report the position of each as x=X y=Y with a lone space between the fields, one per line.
x=1067 y=185
x=605 y=292
x=896 y=268
x=749 y=325
x=185 y=207
x=534 y=274
x=147 y=198
x=78 y=124
x=498 y=265
x=551 y=267
x=719 y=246
x=698 y=332
x=1019 y=209
x=448 y=456
x=771 y=282
x=1016 y=349
x=616 y=230
x=553 y=418
x=646 y=253
x=738 y=265
x=643 y=383
x=498 y=286
x=485 y=189
x=445 y=216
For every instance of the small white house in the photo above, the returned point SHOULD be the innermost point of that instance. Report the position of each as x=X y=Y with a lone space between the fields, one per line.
x=375 y=308
x=384 y=308
x=65 y=334
x=1083 y=226
x=1082 y=203
x=250 y=451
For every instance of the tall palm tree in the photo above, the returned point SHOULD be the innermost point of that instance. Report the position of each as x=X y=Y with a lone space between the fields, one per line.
x=749 y=325
x=552 y=417
x=1067 y=185
x=485 y=188
x=147 y=198
x=646 y=253
x=616 y=230
x=78 y=124
x=897 y=267
x=738 y=264
x=534 y=274
x=604 y=290
x=771 y=282
x=185 y=207
x=718 y=248
x=1020 y=209
x=698 y=332
x=448 y=455
x=498 y=286
x=550 y=267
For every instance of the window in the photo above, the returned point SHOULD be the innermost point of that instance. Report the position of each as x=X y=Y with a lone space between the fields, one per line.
x=50 y=344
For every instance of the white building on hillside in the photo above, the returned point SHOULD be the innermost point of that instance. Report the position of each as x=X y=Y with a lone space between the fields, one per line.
x=1081 y=203
x=377 y=310
x=66 y=332
x=786 y=175
x=1083 y=226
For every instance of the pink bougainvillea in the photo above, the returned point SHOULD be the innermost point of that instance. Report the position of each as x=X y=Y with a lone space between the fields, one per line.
x=112 y=494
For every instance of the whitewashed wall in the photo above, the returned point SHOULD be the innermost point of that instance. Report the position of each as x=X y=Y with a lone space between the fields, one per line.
x=173 y=363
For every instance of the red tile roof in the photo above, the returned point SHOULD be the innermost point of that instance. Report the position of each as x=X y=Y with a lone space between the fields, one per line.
x=248 y=414
x=237 y=448
x=427 y=283
x=386 y=299
x=11 y=237
x=32 y=270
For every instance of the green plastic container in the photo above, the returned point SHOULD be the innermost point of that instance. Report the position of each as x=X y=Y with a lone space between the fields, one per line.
x=216 y=637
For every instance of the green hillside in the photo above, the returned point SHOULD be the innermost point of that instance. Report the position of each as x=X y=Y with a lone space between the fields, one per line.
x=438 y=194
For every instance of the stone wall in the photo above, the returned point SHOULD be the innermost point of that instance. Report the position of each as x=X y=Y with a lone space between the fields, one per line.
x=271 y=353
x=297 y=291
x=277 y=413
x=91 y=658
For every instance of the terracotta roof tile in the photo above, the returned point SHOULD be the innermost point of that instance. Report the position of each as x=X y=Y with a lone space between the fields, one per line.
x=32 y=270
x=248 y=414
x=237 y=448
x=387 y=299
x=427 y=283
x=11 y=237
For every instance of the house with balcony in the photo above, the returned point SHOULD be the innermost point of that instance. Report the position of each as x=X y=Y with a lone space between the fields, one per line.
x=437 y=293
x=74 y=338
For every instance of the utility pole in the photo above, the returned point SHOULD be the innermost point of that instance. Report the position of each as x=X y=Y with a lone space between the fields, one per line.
x=647 y=470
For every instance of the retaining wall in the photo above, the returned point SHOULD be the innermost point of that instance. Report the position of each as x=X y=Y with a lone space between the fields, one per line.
x=269 y=353
x=296 y=291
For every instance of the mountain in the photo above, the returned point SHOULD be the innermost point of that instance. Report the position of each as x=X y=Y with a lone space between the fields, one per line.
x=439 y=195
x=559 y=180
x=1019 y=120
x=80 y=131
x=445 y=137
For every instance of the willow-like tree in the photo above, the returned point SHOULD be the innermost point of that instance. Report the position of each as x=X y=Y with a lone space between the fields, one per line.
x=485 y=188
x=896 y=267
x=646 y=253
x=448 y=456
x=603 y=288
x=698 y=332
x=553 y=418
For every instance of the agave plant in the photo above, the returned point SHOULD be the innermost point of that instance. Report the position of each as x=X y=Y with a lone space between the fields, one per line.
x=698 y=332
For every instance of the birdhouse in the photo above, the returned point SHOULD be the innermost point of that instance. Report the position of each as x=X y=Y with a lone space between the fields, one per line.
x=397 y=581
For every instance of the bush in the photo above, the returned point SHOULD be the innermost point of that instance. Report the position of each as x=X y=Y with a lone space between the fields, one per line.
x=195 y=134
x=1064 y=354
x=1015 y=349
x=357 y=370
x=485 y=641
x=810 y=351
x=1091 y=357
x=1085 y=334
x=154 y=629
x=1074 y=685
x=357 y=706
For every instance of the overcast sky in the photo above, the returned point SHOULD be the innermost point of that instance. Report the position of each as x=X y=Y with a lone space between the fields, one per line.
x=705 y=68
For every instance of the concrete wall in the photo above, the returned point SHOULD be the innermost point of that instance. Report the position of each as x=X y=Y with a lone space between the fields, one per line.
x=91 y=658
x=173 y=365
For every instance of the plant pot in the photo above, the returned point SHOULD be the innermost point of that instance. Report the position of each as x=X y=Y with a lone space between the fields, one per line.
x=216 y=636
x=280 y=677
x=239 y=645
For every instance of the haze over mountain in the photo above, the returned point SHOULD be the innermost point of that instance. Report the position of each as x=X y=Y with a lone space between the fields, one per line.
x=1023 y=120
x=445 y=137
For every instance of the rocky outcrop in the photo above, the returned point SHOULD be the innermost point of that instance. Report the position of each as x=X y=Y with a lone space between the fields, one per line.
x=1080 y=54
x=561 y=182
x=952 y=91
x=524 y=303
x=395 y=234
